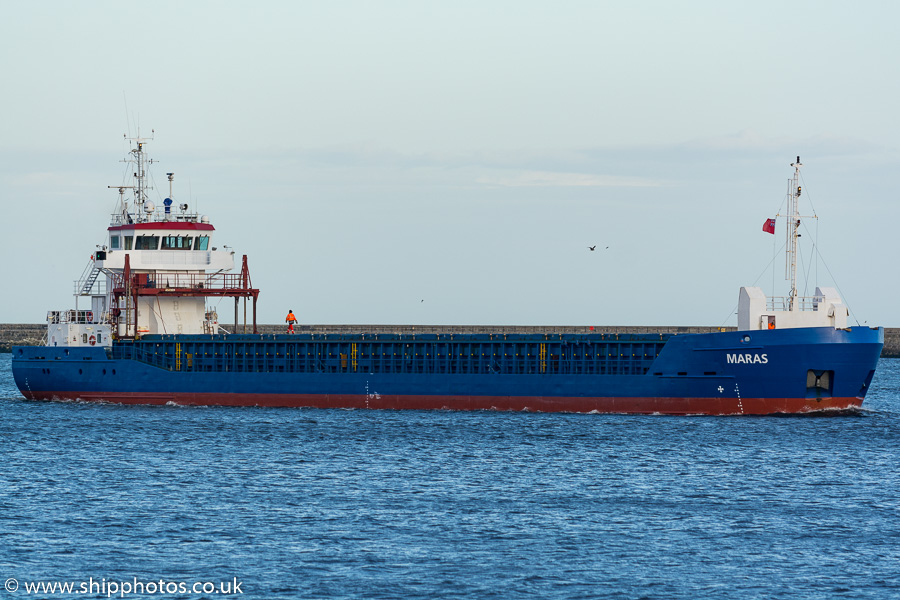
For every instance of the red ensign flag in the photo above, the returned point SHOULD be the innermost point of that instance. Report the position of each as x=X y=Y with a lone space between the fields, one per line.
x=769 y=226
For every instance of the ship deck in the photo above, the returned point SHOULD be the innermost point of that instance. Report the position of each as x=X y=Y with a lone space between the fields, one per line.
x=418 y=352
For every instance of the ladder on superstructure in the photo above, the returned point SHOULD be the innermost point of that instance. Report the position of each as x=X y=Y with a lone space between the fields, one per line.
x=90 y=281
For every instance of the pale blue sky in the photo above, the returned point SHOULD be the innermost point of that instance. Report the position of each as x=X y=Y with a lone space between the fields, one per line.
x=368 y=156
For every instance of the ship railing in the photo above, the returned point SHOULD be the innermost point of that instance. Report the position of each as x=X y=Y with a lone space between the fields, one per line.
x=91 y=283
x=165 y=280
x=98 y=287
x=73 y=316
x=803 y=303
x=158 y=216
x=371 y=330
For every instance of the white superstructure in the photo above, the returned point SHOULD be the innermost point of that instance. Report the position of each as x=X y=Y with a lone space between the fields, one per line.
x=153 y=274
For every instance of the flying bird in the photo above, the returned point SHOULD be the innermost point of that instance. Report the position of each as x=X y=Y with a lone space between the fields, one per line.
x=592 y=248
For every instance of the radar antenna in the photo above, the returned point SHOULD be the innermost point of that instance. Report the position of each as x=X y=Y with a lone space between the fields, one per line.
x=140 y=186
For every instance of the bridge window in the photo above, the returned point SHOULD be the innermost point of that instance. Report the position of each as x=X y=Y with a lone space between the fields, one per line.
x=176 y=242
x=202 y=242
x=114 y=242
x=128 y=239
x=147 y=242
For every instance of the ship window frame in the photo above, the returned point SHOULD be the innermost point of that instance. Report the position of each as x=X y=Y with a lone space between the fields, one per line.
x=141 y=245
x=129 y=240
x=114 y=241
x=202 y=243
x=177 y=242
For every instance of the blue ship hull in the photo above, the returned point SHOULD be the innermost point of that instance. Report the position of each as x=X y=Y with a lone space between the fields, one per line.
x=734 y=372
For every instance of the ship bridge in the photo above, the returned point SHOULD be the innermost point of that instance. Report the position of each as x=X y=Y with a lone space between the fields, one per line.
x=177 y=245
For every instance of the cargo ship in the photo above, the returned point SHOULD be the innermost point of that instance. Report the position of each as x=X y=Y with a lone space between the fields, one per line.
x=150 y=336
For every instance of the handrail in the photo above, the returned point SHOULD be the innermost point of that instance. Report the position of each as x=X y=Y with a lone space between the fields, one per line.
x=178 y=280
x=803 y=303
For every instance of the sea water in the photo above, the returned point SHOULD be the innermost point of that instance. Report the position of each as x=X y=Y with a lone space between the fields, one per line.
x=306 y=503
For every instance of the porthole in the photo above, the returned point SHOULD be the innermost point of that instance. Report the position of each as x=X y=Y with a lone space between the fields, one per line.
x=745 y=339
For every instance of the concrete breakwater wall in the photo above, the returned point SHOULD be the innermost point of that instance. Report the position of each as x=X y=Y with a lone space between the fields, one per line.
x=33 y=335
x=21 y=335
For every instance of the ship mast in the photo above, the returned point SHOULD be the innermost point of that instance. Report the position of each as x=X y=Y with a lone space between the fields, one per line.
x=140 y=186
x=793 y=232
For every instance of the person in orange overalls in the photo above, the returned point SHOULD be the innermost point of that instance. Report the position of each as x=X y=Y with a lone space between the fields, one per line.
x=290 y=320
